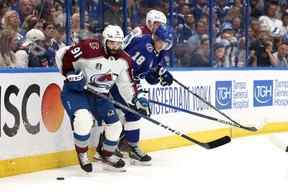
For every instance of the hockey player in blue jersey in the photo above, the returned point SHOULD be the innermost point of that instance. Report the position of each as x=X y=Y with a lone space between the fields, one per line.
x=145 y=52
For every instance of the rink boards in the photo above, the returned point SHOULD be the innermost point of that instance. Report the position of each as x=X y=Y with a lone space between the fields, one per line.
x=35 y=133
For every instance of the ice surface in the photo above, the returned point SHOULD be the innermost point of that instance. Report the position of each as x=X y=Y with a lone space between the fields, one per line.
x=245 y=165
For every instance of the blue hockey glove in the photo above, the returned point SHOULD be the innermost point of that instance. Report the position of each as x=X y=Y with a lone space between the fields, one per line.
x=75 y=81
x=166 y=78
x=152 y=77
x=141 y=103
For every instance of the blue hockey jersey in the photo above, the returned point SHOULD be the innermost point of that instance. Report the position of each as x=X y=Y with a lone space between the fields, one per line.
x=144 y=56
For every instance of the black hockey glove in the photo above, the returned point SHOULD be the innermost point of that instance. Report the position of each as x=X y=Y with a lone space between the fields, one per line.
x=166 y=78
x=152 y=77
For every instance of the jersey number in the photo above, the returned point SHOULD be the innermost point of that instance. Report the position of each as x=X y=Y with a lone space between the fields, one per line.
x=138 y=58
x=76 y=52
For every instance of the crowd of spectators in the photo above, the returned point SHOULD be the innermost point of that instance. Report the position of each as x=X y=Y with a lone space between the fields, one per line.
x=267 y=34
x=31 y=31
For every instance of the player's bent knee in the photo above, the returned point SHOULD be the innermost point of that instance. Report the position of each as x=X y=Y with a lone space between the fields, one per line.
x=83 y=122
x=113 y=131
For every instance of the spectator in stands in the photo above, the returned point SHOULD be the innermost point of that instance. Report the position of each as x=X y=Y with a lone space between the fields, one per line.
x=58 y=39
x=185 y=10
x=281 y=56
x=255 y=29
x=12 y=23
x=285 y=21
x=51 y=45
x=186 y=30
x=200 y=56
x=7 y=48
x=29 y=23
x=222 y=9
x=261 y=51
x=49 y=31
x=39 y=25
x=200 y=9
x=43 y=10
x=227 y=37
x=179 y=5
x=257 y=7
x=75 y=27
x=236 y=25
x=113 y=15
x=25 y=9
x=219 y=55
x=232 y=13
x=274 y=24
x=194 y=40
x=33 y=52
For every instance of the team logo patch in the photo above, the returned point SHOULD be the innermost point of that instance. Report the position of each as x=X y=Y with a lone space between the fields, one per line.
x=149 y=47
x=110 y=113
x=94 y=45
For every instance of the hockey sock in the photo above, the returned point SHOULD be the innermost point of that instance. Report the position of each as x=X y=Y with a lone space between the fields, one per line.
x=132 y=136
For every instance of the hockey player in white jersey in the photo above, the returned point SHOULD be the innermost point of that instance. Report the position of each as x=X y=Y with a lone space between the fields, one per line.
x=101 y=65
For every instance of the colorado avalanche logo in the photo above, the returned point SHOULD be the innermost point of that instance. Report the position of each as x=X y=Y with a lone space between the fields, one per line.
x=102 y=78
x=94 y=45
x=149 y=47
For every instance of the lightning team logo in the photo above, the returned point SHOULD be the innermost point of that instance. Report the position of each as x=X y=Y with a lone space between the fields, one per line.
x=223 y=94
x=262 y=93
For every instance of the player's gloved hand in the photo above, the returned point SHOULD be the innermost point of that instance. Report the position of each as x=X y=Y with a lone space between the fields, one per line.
x=75 y=81
x=166 y=78
x=152 y=77
x=141 y=103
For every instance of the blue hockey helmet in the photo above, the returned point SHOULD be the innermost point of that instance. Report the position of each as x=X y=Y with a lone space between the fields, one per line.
x=165 y=34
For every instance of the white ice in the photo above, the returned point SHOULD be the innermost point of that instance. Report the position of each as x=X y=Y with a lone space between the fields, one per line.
x=250 y=164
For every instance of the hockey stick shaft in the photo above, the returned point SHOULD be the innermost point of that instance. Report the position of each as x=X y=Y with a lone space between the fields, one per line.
x=196 y=114
x=213 y=107
x=209 y=145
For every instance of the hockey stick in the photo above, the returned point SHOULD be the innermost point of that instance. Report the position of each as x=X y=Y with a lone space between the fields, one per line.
x=209 y=145
x=197 y=114
x=213 y=107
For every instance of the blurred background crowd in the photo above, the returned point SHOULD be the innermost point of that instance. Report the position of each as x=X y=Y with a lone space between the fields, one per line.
x=31 y=31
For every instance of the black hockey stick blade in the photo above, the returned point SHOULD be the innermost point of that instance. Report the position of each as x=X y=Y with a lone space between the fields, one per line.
x=211 y=144
x=219 y=142
x=254 y=129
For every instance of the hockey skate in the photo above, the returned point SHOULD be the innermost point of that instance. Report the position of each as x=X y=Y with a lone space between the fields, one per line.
x=84 y=162
x=110 y=161
x=123 y=149
x=139 y=157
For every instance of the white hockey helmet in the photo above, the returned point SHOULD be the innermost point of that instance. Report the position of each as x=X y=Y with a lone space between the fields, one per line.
x=156 y=16
x=113 y=33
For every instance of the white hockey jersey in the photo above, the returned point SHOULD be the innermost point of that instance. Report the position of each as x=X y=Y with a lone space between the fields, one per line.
x=100 y=70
